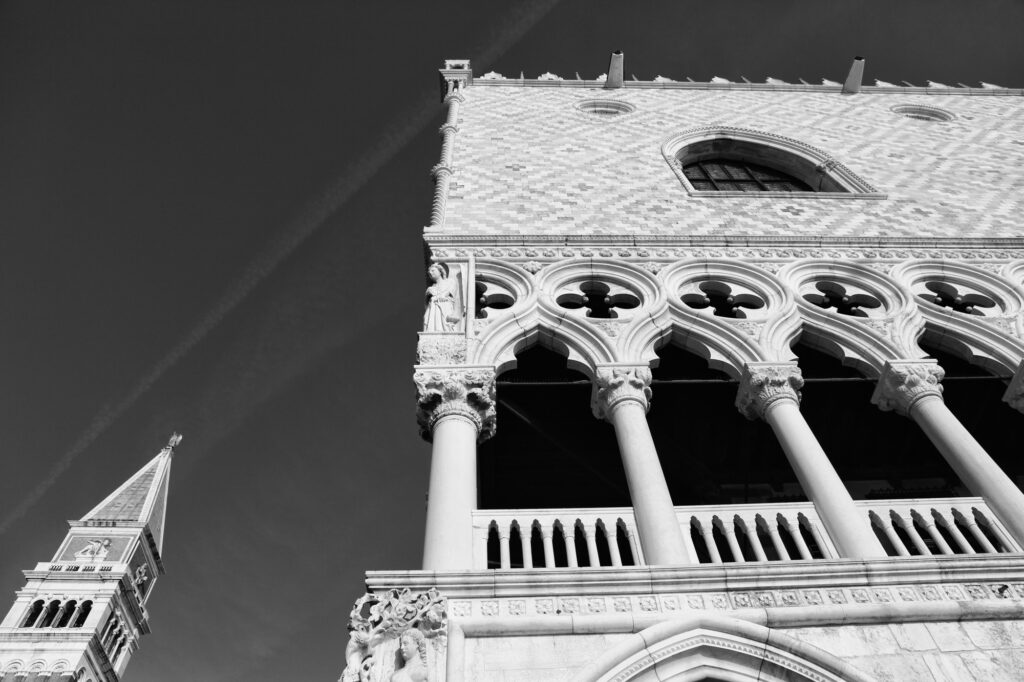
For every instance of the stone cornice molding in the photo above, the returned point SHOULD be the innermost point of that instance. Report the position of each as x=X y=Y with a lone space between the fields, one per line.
x=462 y=392
x=765 y=384
x=904 y=383
x=615 y=385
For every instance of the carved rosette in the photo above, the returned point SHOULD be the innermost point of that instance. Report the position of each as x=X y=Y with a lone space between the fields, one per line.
x=467 y=393
x=615 y=385
x=764 y=384
x=376 y=624
x=1014 y=395
x=905 y=382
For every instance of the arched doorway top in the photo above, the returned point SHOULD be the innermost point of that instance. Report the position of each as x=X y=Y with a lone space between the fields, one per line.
x=713 y=647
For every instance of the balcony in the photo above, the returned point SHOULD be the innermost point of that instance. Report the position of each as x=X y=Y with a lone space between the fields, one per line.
x=739 y=533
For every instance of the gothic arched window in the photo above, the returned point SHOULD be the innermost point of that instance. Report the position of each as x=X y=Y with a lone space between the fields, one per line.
x=723 y=175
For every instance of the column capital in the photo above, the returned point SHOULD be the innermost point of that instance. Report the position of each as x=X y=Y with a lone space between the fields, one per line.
x=466 y=392
x=904 y=382
x=764 y=384
x=1014 y=395
x=617 y=384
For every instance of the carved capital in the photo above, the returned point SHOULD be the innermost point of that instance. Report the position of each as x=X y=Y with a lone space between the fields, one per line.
x=766 y=383
x=904 y=382
x=1015 y=391
x=466 y=393
x=615 y=385
x=376 y=625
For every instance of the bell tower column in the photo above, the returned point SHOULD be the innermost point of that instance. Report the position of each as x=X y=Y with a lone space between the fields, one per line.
x=622 y=395
x=771 y=391
x=913 y=388
x=455 y=411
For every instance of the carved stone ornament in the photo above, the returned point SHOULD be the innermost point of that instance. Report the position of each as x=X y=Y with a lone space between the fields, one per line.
x=615 y=385
x=467 y=393
x=904 y=382
x=1014 y=394
x=441 y=349
x=764 y=384
x=379 y=623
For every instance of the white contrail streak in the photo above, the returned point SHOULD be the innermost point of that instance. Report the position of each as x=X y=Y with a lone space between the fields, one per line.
x=399 y=133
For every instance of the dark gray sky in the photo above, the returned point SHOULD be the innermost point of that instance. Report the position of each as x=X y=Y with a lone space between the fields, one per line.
x=210 y=220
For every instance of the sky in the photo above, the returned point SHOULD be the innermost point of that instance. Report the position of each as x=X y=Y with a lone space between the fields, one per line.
x=210 y=222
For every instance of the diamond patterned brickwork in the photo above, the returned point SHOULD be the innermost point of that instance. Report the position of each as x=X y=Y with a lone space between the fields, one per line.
x=527 y=162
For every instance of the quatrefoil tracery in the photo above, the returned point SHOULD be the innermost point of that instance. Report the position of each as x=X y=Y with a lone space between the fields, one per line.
x=490 y=296
x=949 y=296
x=599 y=300
x=835 y=296
x=722 y=299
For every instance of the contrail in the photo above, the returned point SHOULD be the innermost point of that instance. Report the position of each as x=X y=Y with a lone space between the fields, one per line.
x=397 y=135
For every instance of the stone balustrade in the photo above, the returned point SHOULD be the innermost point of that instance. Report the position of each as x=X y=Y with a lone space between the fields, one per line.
x=737 y=533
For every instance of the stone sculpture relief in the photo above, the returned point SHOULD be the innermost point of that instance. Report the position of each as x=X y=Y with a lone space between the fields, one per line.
x=445 y=311
x=399 y=636
x=441 y=349
x=95 y=550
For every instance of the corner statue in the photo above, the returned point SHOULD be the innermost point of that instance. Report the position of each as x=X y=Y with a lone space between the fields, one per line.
x=444 y=311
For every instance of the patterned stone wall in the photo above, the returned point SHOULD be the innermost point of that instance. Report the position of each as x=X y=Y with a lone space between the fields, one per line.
x=527 y=161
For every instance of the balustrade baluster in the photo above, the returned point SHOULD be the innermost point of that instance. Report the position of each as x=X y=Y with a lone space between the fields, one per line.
x=549 y=547
x=798 y=539
x=570 y=547
x=613 y=545
x=728 y=528
x=890 y=533
x=755 y=540
x=780 y=547
x=915 y=537
x=929 y=526
x=818 y=539
x=634 y=547
x=949 y=522
x=503 y=546
x=707 y=533
x=590 y=535
x=526 y=542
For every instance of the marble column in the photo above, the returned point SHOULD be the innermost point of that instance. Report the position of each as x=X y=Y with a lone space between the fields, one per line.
x=771 y=391
x=913 y=388
x=455 y=412
x=622 y=395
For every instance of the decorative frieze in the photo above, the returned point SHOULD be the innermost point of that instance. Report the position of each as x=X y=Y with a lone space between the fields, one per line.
x=885 y=257
x=763 y=384
x=736 y=599
x=467 y=393
x=614 y=385
x=441 y=349
x=904 y=382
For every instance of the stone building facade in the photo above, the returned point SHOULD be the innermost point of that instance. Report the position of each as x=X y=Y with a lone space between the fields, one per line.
x=81 y=615
x=764 y=240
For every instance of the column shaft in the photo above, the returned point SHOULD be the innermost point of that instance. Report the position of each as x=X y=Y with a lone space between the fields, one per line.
x=660 y=535
x=972 y=464
x=448 y=543
x=846 y=524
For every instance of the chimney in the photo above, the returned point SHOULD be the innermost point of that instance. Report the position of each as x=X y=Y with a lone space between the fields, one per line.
x=614 y=71
x=852 y=84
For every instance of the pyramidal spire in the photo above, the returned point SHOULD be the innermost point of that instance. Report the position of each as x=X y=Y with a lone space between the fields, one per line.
x=141 y=501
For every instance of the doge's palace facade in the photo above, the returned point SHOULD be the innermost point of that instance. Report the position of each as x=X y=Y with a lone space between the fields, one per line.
x=762 y=230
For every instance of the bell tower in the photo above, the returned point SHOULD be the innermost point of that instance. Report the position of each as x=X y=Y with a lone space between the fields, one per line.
x=81 y=615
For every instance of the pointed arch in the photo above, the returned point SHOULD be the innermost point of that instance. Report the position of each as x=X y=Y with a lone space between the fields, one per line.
x=709 y=646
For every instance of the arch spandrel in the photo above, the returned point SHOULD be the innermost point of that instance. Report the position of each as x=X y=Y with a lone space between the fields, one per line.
x=993 y=339
x=711 y=647
x=889 y=332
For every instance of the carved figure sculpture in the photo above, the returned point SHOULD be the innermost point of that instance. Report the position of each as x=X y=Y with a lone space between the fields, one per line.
x=444 y=301
x=96 y=550
x=414 y=652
